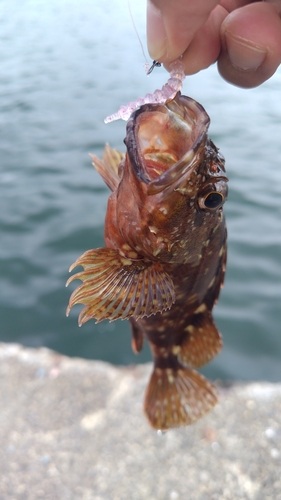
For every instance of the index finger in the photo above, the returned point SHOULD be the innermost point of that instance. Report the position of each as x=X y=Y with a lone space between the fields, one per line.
x=171 y=25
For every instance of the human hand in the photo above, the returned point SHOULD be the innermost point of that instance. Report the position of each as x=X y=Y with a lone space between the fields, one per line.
x=243 y=37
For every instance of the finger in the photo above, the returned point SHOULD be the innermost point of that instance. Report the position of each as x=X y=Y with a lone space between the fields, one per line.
x=251 y=45
x=205 y=47
x=171 y=25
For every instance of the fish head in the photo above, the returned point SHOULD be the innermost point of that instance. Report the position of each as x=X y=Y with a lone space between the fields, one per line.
x=173 y=183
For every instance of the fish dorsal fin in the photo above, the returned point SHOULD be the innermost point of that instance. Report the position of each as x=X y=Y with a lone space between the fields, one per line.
x=202 y=340
x=108 y=166
x=176 y=397
x=115 y=287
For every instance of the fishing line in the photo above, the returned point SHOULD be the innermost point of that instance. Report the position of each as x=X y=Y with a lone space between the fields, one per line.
x=148 y=68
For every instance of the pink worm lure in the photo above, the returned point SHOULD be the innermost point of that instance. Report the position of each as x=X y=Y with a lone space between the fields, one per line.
x=168 y=91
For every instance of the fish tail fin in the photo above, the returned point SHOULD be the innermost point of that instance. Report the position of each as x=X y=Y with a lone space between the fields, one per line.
x=177 y=396
x=201 y=340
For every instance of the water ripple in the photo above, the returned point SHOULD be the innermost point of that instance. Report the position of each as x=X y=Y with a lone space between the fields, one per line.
x=64 y=67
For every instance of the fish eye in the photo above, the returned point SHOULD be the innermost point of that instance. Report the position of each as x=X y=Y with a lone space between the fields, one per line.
x=212 y=200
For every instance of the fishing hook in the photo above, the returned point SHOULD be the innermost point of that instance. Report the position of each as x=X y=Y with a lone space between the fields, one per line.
x=155 y=64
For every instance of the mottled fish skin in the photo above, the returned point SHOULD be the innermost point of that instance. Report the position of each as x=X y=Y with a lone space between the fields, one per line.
x=165 y=256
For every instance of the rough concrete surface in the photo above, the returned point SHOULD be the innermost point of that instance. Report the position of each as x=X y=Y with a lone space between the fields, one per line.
x=74 y=429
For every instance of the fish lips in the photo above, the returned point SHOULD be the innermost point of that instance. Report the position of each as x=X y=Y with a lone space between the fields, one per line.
x=166 y=141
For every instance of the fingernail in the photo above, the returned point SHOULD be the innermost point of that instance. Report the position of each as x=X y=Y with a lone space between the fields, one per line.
x=242 y=55
x=156 y=35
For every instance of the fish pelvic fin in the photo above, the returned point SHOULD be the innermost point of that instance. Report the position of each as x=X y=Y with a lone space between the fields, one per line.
x=137 y=336
x=177 y=397
x=201 y=341
x=115 y=287
x=108 y=166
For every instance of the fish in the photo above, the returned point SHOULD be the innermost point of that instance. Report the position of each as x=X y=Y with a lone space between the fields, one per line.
x=164 y=259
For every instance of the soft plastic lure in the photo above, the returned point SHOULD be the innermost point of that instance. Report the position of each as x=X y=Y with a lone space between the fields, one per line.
x=168 y=91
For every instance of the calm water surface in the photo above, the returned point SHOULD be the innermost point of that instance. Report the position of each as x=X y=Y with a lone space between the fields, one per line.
x=64 y=67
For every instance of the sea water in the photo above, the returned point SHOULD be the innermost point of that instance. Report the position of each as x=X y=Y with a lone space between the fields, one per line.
x=65 y=66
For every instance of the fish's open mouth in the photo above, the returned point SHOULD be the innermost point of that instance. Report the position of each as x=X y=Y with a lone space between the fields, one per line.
x=162 y=140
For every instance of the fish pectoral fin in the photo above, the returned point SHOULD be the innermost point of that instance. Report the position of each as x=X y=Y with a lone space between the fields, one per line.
x=176 y=397
x=201 y=341
x=108 y=167
x=115 y=287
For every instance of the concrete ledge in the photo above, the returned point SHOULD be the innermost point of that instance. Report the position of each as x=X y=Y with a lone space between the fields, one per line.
x=74 y=429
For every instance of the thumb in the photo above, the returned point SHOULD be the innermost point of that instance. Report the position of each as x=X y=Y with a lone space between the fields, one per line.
x=251 y=45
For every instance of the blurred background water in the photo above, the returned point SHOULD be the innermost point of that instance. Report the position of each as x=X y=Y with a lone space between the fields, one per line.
x=65 y=65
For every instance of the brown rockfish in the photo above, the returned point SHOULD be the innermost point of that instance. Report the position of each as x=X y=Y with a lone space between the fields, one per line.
x=165 y=255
